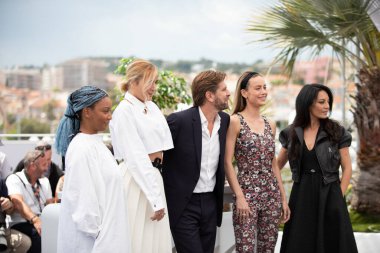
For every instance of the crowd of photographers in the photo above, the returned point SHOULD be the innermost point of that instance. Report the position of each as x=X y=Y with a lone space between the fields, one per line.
x=24 y=192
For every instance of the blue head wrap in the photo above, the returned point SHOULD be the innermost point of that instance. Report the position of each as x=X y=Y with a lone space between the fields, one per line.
x=70 y=123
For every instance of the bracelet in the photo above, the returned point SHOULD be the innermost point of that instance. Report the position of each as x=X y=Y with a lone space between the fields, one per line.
x=31 y=219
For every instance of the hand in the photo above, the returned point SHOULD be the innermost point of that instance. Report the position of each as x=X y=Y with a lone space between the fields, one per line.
x=158 y=215
x=285 y=216
x=242 y=209
x=6 y=204
x=37 y=224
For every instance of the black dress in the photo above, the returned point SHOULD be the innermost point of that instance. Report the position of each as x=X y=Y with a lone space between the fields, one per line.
x=319 y=221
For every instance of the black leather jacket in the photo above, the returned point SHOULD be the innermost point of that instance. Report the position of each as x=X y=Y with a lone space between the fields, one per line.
x=327 y=153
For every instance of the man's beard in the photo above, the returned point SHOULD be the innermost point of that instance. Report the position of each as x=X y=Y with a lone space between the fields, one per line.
x=220 y=105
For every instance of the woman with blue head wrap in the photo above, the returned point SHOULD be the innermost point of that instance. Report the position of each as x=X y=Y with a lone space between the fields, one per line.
x=93 y=187
x=84 y=97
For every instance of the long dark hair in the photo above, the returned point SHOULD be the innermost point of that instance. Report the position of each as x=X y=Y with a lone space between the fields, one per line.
x=304 y=101
x=243 y=83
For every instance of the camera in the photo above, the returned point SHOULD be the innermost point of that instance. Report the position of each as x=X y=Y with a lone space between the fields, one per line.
x=3 y=227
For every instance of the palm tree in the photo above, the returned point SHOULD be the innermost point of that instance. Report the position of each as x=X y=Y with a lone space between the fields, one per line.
x=344 y=26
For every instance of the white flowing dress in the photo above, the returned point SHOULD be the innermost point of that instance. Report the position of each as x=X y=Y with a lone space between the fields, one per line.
x=92 y=216
x=138 y=129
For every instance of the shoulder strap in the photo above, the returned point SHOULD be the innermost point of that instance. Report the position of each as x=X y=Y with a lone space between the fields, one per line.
x=38 y=181
x=20 y=179
x=267 y=125
x=241 y=118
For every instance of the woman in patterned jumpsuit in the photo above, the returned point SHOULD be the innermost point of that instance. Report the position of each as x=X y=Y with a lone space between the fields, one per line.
x=259 y=196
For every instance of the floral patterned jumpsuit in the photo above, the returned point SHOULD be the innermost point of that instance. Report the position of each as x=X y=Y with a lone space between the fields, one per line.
x=254 y=154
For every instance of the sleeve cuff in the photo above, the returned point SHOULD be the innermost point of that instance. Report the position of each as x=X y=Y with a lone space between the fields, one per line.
x=157 y=204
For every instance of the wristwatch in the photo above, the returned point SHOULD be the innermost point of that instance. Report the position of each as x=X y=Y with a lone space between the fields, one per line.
x=31 y=219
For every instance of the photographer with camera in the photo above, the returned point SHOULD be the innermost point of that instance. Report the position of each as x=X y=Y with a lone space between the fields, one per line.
x=11 y=240
x=30 y=191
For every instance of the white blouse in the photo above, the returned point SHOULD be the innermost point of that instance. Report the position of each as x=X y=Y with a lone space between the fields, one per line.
x=138 y=129
x=92 y=216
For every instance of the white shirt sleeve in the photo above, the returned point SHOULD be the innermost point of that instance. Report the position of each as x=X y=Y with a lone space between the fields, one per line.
x=127 y=142
x=14 y=185
x=80 y=192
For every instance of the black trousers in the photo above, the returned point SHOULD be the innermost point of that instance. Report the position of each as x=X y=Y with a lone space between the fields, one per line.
x=195 y=230
x=30 y=231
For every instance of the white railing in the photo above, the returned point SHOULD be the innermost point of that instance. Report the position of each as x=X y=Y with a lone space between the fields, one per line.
x=17 y=145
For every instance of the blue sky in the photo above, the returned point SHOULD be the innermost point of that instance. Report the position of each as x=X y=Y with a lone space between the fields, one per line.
x=52 y=31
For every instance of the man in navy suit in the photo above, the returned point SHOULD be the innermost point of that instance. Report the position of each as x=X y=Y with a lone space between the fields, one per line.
x=193 y=171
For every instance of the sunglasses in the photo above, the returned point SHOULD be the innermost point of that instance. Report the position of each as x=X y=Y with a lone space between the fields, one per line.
x=43 y=148
x=42 y=154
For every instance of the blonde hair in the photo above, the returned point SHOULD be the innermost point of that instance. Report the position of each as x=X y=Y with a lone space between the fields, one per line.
x=139 y=70
x=243 y=83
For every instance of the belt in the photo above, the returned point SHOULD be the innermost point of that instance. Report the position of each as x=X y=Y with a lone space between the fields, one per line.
x=202 y=193
x=311 y=171
x=157 y=164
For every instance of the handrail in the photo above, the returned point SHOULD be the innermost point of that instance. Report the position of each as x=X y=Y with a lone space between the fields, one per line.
x=42 y=136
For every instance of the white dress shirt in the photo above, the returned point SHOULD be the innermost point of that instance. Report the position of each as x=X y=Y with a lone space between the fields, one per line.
x=210 y=155
x=138 y=129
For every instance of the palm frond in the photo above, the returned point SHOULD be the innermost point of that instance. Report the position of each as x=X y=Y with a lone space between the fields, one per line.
x=295 y=26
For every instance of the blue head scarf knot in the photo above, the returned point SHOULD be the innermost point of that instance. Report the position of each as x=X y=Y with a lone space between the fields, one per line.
x=70 y=123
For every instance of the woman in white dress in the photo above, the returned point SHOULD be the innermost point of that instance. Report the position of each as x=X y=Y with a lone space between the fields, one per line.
x=139 y=135
x=92 y=216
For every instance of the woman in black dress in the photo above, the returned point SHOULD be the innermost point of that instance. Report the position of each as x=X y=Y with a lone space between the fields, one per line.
x=316 y=147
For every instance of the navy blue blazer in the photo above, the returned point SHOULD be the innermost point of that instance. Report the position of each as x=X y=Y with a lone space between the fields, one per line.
x=182 y=164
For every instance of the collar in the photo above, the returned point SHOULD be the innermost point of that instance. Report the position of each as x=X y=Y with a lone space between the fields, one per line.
x=204 y=119
x=135 y=101
x=320 y=134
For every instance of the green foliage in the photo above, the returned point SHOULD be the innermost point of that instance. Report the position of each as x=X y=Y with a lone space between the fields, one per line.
x=298 y=25
x=11 y=118
x=116 y=96
x=364 y=223
x=30 y=126
x=122 y=67
x=171 y=89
